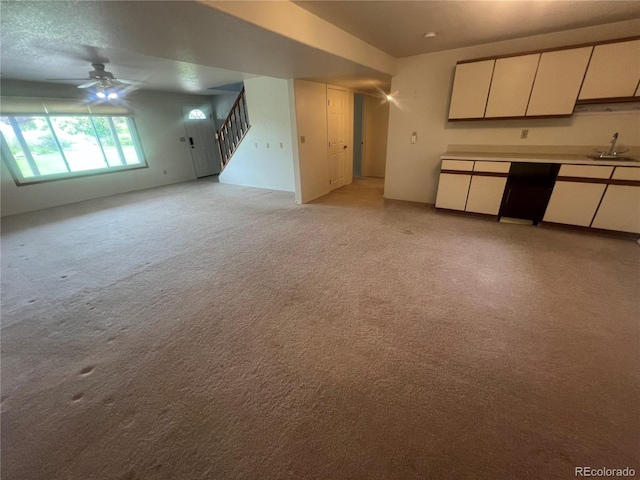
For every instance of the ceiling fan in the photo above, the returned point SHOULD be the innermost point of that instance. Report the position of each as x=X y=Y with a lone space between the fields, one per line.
x=104 y=81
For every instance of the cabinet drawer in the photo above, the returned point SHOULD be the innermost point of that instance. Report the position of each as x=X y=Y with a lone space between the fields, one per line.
x=626 y=173
x=492 y=167
x=585 y=171
x=460 y=165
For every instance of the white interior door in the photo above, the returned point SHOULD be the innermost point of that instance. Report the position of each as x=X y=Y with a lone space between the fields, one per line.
x=337 y=133
x=202 y=140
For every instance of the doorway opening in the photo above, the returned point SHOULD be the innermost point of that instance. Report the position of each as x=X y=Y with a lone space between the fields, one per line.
x=358 y=134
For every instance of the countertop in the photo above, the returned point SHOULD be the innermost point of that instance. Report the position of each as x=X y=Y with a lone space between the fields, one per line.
x=575 y=159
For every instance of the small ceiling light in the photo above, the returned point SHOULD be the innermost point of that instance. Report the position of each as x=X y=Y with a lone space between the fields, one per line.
x=388 y=96
x=429 y=35
x=112 y=96
x=101 y=94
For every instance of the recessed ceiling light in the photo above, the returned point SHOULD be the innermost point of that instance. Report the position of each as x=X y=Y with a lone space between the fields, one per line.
x=429 y=35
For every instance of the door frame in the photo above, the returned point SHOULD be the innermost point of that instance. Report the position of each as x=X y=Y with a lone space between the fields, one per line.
x=186 y=108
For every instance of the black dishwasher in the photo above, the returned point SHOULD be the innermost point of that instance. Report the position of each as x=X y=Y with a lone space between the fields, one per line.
x=528 y=190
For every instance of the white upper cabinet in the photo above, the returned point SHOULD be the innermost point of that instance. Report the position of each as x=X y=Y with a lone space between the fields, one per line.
x=558 y=81
x=614 y=71
x=470 y=89
x=511 y=86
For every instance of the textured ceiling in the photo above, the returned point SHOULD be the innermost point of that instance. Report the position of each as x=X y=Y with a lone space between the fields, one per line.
x=190 y=47
x=397 y=27
x=173 y=46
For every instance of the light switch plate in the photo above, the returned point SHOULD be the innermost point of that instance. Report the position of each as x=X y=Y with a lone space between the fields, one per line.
x=414 y=137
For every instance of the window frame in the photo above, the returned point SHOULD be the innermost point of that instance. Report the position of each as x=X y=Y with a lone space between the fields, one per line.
x=20 y=180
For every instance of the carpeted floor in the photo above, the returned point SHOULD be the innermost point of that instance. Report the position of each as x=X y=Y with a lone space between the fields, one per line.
x=209 y=331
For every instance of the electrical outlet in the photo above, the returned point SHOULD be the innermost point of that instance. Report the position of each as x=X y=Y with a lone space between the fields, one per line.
x=414 y=137
x=281 y=145
x=302 y=139
x=165 y=172
x=524 y=134
x=267 y=144
x=256 y=145
x=182 y=139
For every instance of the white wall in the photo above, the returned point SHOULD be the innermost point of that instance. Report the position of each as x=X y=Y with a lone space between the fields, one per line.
x=311 y=156
x=423 y=86
x=296 y=23
x=255 y=164
x=221 y=106
x=311 y=123
x=376 y=126
x=158 y=118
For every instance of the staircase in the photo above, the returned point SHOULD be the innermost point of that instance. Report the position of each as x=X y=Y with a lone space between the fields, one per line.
x=233 y=130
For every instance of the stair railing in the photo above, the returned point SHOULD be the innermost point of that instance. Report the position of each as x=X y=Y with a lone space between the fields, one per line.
x=233 y=130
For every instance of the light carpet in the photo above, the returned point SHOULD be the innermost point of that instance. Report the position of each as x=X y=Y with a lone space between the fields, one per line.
x=209 y=331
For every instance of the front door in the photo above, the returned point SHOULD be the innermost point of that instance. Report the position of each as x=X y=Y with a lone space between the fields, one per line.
x=337 y=130
x=201 y=139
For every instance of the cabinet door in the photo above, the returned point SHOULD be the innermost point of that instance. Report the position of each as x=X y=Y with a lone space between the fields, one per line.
x=558 y=81
x=574 y=203
x=471 y=89
x=620 y=209
x=614 y=71
x=452 y=191
x=511 y=86
x=485 y=194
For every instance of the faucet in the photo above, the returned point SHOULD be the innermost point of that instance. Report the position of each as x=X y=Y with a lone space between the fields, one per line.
x=612 y=144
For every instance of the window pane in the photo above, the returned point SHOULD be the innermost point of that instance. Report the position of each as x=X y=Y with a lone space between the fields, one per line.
x=15 y=148
x=196 y=114
x=126 y=140
x=108 y=143
x=42 y=145
x=79 y=143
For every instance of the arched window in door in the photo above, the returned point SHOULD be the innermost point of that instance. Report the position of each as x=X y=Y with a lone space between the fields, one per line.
x=197 y=114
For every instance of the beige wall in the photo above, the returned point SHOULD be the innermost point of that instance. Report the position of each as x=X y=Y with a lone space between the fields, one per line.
x=376 y=126
x=264 y=158
x=311 y=157
x=158 y=118
x=423 y=86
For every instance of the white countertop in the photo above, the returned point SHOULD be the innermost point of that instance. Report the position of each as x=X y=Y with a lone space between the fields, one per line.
x=575 y=159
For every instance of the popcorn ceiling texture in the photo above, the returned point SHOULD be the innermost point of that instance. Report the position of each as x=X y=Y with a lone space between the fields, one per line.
x=208 y=331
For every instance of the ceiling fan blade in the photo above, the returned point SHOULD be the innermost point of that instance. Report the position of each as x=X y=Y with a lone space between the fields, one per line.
x=65 y=79
x=89 y=84
x=129 y=82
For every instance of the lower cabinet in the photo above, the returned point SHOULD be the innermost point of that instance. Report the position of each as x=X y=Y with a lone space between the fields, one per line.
x=597 y=196
x=620 y=209
x=452 y=191
x=574 y=203
x=485 y=194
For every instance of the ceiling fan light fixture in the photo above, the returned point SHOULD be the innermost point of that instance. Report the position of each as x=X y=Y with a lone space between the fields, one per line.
x=112 y=96
x=100 y=93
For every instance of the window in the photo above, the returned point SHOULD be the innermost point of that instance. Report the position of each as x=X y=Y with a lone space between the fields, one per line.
x=47 y=147
x=197 y=114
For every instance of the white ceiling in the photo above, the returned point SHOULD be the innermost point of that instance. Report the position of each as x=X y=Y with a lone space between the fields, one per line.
x=189 y=47
x=397 y=27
